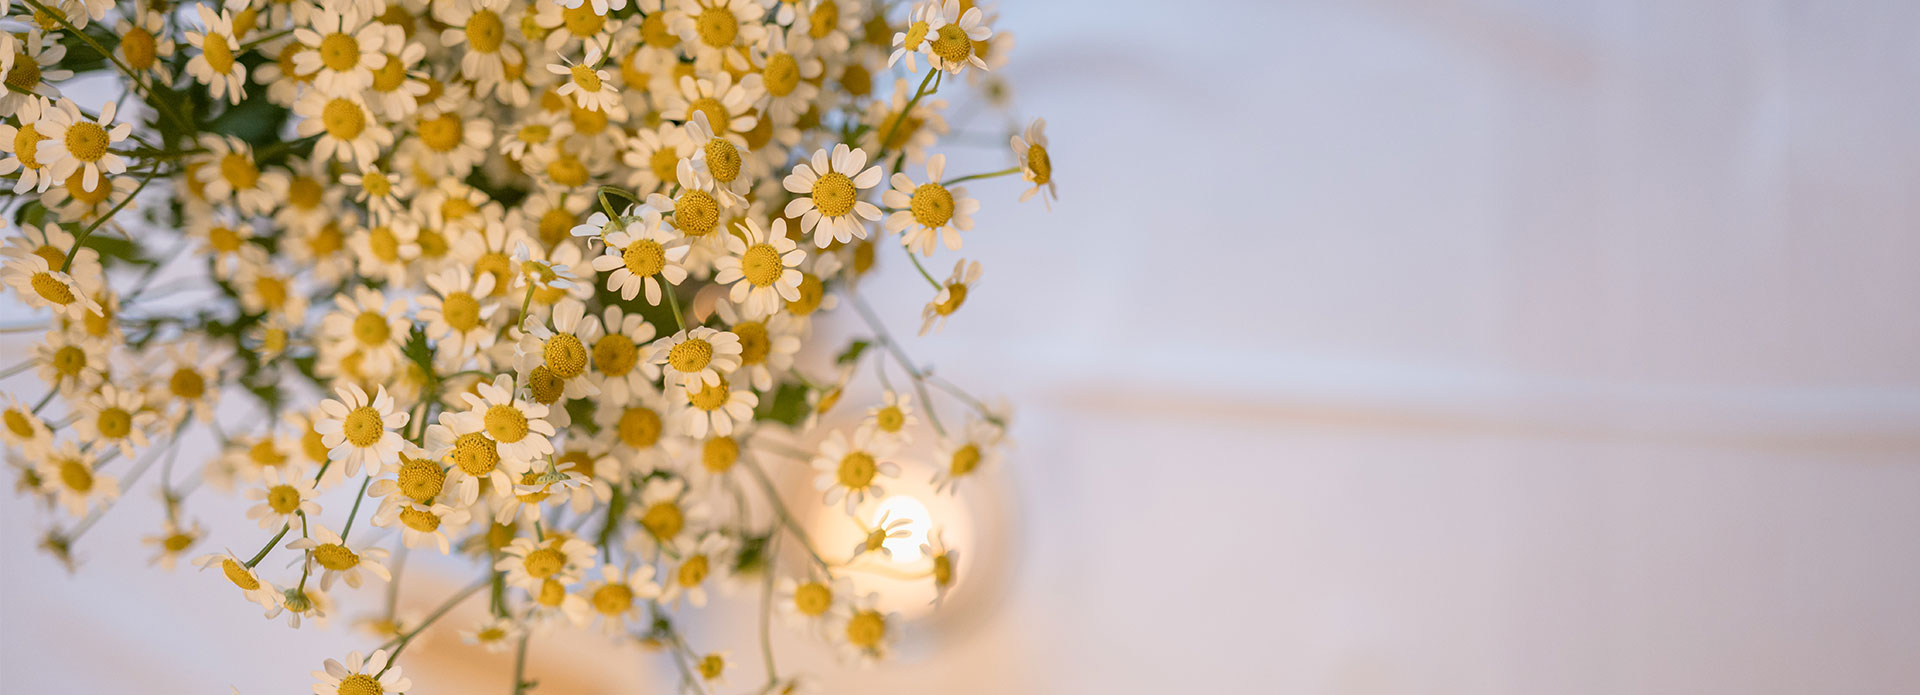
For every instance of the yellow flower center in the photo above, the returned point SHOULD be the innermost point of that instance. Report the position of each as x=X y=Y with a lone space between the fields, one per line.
x=339 y=52
x=86 y=141
x=371 y=328
x=812 y=599
x=555 y=225
x=390 y=75
x=433 y=244
x=754 y=343
x=613 y=599
x=441 y=133
x=586 y=78
x=176 y=542
x=239 y=171
x=691 y=355
x=717 y=26
x=418 y=520
x=187 y=384
x=833 y=194
x=314 y=446
x=343 y=119
x=664 y=520
x=866 y=629
x=544 y=563
x=420 y=479
x=461 y=311
x=916 y=33
x=17 y=422
x=26 y=146
x=496 y=264
x=663 y=162
x=932 y=205
x=361 y=684
x=52 y=289
x=711 y=666
x=69 y=360
x=812 y=292
x=696 y=212
x=902 y=130
x=716 y=113
x=644 y=257
x=581 y=21
x=692 y=572
x=654 y=31
x=506 y=424
x=952 y=45
x=546 y=387
x=304 y=192
x=565 y=356
x=283 y=499
x=76 y=476
x=137 y=47
x=224 y=239
x=639 y=427
x=485 y=31
x=552 y=593
x=761 y=264
x=723 y=160
x=857 y=470
x=265 y=455
x=567 y=170
x=363 y=427
x=956 y=295
x=615 y=354
x=115 y=423
x=335 y=556
x=890 y=419
x=710 y=397
x=965 y=460
x=719 y=454
x=825 y=18
x=90 y=197
x=216 y=49
x=239 y=575
x=781 y=74
x=1039 y=165
x=475 y=454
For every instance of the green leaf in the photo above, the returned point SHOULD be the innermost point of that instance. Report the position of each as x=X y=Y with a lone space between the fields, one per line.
x=852 y=353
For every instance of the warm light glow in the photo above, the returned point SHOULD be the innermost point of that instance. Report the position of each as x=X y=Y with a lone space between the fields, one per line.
x=919 y=522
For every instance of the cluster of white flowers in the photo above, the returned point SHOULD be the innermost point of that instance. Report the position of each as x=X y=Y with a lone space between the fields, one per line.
x=530 y=275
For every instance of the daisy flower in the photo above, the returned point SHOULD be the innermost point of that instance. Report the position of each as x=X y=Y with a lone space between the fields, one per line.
x=216 y=65
x=616 y=353
x=619 y=596
x=665 y=511
x=642 y=254
x=358 y=430
x=912 y=40
x=564 y=24
x=75 y=144
x=718 y=32
x=70 y=363
x=115 y=417
x=303 y=602
x=475 y=457
x=589 y=86
x=228 y=172
x=714 y=407
x=712 y=668
x=963 y=456
x=144 y=42
x=173 y=540
x=761 y=267
x=395 y=92
x=952 y=294
x=283 y=499
x=830 y=186
x=371 y=676
x=385 y=251
x=528 y=562
x=811 y=601
x=699 y=562
x=849 y=468
x=864 y=632
x=455 y=140
x=1035 y=166
x=416 y=476
x=599 y=7
x=516 y=426
x=557 y=352
x=381 y=192
x=365 y=321
x=347 y=129
x=946 y=562
x=342 y=59
x=22 y=145
x=457 y=318
x=33 y=74
x=40 y=284
x=929 y=212
x=496 y=634
x=421 y=524
x=478 y=25
x=20 y=427
x=74 y=478
x=337 y=560
x=190 y=383
x=884 y=529
x=951 y=35
x=523 y=499
x=251 y=585
x=715 y=159
x=893 y=417
x=789 y=73
x=653 y=156
x=635 y=431
x=697 y=356
x=727 y=104
x=767 y=345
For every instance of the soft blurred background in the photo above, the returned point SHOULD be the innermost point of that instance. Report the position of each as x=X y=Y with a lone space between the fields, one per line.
x=1375 y=346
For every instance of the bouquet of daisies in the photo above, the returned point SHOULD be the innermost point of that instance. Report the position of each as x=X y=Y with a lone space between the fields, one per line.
x=523 y=282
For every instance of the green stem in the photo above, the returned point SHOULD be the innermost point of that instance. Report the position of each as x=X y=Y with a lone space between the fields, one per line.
x=165 y=108
x=520 y=666
x=355 y=512
x=82 y=238
x=262 y=555
x=673 y=302
x=780 y=510
x=923 y=269
x=902 y=117
x=988 y=175
x=886 y=340
x=400 y=643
